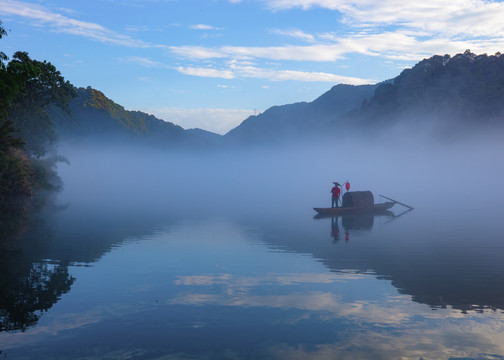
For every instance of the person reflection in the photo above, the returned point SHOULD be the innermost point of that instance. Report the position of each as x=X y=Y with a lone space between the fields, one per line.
x=335 y=229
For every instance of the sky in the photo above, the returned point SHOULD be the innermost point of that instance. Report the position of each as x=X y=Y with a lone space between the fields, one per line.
x=212 y=63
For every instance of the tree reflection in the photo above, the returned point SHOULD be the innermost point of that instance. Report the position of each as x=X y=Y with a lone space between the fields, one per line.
x=23 y=298
x=28 y=285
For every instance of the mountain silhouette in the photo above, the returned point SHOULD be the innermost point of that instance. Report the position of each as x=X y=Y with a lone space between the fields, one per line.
x=454 y=94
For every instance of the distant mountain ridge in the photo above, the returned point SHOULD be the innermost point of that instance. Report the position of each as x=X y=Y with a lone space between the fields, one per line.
x=459 y=92
x=443 y=94
x=301 y=119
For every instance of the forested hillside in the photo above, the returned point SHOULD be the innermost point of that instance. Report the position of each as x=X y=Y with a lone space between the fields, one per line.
x=466 y=90
x=95 y=117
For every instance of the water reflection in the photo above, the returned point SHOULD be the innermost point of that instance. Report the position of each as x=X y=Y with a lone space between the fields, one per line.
x=269 y=286
x=28 y=290
x=357 y=222
x=29 y=285
x=352 y=222
x=40 y=240
x=177 y=293
x=441 y=266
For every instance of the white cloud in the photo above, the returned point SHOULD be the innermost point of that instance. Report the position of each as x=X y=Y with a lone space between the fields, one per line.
x=398 y=29
x=204 y=27
x=143 y=61
x=238 y=70
x=404 y=45
x=395 y=30
x=295 y=33
x=246 y=69
x=304 y=4
x=206 y=72
x=455 y=17
x=67 y=25
x=285 y=53
x=390 y=28
x=201 y=27
x=197 y=52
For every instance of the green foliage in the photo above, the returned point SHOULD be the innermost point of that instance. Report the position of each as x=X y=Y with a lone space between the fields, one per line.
x=16 y=175
x=3 y=57
x=9 y=85
x=42 y=85
x=97 y=100
x=27 y=88
x=7 y=138
x=94 y=116
x=44 y=172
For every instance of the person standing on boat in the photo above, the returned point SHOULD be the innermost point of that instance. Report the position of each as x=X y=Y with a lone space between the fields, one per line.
x=336 y=191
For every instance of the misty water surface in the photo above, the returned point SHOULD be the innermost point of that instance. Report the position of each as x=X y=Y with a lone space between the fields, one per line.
x=162 y=255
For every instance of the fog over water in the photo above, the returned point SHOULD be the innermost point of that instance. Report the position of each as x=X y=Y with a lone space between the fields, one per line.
x=439 y=178
x=454 y=186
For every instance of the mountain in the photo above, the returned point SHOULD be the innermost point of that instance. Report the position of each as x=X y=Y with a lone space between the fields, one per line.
x=96 y=117
x=301 y=119
x=451 y=94
x=444 y=94
x=463 y=91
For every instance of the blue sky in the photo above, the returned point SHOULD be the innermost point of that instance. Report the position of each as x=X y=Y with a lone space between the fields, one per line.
x=212 y=63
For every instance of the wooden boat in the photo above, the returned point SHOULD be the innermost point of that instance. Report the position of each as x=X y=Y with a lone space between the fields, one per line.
x=359 y=202
x=371 y=209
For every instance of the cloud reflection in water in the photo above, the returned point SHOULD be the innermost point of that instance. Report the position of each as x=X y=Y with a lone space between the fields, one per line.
x=389 y=327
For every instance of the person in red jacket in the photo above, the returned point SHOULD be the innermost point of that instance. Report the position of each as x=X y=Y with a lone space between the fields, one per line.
x=336 y=191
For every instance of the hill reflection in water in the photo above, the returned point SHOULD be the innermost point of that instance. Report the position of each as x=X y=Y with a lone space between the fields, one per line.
x=267 y=285
x=441 y=265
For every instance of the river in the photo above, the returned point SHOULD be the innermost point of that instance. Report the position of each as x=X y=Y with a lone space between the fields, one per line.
x=106 y=276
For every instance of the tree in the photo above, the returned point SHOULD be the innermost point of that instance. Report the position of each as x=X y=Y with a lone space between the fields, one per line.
x=43 y=85
x=27 y=87
x=16 y=175
x=15 y=168
x=3 y=57
x=8 y=87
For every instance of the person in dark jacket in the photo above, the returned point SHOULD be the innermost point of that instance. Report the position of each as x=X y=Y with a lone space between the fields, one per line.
x=336 y=191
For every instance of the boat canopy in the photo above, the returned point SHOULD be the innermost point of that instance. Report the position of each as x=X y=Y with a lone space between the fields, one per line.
x=358 y=199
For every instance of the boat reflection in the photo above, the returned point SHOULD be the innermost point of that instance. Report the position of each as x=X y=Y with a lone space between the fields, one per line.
x=354 y=222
